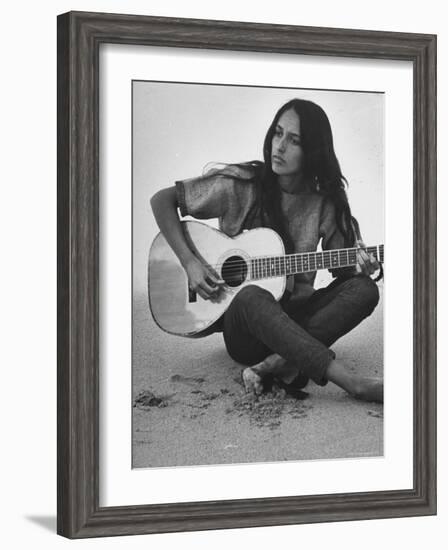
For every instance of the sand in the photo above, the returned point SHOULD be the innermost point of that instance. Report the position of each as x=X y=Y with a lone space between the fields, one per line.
x=190 y=408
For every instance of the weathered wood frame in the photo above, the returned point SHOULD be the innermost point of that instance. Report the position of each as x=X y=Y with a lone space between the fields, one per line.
x=79 y=38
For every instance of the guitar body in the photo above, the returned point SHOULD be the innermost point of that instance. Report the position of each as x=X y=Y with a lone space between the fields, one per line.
x=179 y=311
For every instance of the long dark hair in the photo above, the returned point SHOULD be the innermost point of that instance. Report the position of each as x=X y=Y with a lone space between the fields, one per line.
x=321 y=171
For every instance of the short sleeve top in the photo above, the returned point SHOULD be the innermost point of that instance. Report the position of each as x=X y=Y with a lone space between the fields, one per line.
x=231 y=196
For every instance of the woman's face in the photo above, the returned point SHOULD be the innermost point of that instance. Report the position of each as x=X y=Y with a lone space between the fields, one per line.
x=286 y=151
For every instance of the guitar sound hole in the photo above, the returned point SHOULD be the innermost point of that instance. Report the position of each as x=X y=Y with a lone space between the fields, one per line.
x=234 y=271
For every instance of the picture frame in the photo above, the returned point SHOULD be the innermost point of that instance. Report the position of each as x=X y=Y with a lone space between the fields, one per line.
x=80 y=35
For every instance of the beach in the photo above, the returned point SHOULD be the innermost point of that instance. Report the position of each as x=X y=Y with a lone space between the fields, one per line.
x=190 y=408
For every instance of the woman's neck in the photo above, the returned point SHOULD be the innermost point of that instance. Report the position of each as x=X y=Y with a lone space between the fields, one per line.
x=292 y=184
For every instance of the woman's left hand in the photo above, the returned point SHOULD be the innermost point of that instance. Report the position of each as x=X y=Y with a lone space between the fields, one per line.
x=367 y=264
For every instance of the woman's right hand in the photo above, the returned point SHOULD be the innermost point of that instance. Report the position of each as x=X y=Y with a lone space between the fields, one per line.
x=203 y=279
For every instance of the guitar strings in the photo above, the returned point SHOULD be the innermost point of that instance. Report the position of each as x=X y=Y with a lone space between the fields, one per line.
x=235 y=266
x=271 y=260
x=260 y=272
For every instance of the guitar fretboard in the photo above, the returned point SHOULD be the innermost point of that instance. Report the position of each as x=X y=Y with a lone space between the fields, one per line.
x=274 y=266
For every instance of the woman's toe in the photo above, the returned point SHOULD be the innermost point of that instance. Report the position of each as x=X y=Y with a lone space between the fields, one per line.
x=252 y=382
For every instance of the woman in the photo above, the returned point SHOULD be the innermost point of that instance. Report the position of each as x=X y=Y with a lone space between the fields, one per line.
x=299 y=191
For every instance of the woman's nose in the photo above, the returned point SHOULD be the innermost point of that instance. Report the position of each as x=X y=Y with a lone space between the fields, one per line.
x=282 y=145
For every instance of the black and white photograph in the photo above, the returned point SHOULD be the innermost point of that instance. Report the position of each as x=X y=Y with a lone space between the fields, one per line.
x=205 y=345
x=259 y=273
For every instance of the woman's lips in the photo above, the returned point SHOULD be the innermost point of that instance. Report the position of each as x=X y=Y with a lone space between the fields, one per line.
x=276 y=158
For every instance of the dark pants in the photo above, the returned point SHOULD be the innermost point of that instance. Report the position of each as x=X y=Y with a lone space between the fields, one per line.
x=255 y=325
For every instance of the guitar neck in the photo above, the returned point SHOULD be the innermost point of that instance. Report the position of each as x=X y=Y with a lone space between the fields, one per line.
x=264 y=267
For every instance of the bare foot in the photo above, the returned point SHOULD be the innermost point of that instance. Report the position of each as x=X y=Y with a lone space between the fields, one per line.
x=252 y=382
x=360 y=387
x=369 y=389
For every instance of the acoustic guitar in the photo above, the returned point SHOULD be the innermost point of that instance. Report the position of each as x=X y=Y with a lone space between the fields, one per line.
x=255 y=257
